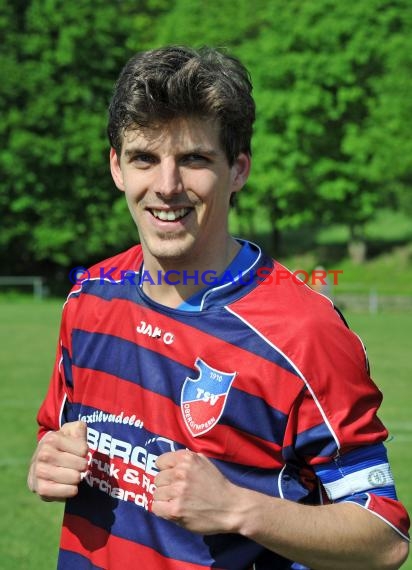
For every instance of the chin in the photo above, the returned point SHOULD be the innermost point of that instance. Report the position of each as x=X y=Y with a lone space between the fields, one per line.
x=170 y=250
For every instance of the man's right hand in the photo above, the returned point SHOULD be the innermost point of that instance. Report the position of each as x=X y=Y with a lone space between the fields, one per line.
x=58 y=462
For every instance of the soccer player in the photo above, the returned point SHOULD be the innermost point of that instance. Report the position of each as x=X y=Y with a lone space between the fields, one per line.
x=206 y=409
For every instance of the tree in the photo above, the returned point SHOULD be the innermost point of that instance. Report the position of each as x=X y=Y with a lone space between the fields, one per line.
x=387 y=130
x=60 y=61
x=331 y=141
x=326 y=79
x=318 y=98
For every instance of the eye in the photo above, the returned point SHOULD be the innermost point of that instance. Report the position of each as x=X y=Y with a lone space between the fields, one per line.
x=142 y=159
x=195 y=159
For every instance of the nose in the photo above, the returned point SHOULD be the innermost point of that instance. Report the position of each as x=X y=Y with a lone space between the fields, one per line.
x=169 y=180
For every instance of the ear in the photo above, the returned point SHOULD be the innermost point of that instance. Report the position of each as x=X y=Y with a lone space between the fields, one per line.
x=115 y=169
x=240 y=171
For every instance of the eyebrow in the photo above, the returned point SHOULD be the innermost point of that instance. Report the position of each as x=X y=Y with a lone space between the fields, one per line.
x=192 y=150
x=200 y=150
x=135 y=150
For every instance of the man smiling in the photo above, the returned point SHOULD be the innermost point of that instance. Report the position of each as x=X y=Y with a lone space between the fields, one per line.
x=178 y=185
x=190 y=426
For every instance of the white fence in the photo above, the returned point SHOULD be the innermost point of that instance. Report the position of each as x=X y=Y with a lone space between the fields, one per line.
x=33 y=281
x=373 y=302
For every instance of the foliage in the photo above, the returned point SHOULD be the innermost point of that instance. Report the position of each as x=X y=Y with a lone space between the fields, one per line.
x=60 y=60
x=387 y=131
x=320 y=99
x=327 y=82
x=331 y=144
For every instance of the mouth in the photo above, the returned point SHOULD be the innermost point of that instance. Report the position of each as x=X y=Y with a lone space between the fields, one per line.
x=169 y=215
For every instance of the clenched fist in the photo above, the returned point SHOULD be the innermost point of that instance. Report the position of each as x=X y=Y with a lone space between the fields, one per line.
x=58 y=462
x=193 y=493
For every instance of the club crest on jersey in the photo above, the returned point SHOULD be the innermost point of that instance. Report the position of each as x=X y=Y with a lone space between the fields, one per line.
x=204 y=398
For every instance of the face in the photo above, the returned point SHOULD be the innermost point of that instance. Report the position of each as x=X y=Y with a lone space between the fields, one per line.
x=178 y=183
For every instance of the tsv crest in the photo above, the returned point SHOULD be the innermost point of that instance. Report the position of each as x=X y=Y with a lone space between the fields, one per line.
x=204 y=398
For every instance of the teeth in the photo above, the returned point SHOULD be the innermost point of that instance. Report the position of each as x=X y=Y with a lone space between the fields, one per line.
x=170 y=215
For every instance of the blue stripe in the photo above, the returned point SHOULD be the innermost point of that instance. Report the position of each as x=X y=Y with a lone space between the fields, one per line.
x=361 y=499
x=154 y=372
x=224 y=325
x=298 y=486
x=67 y=367
x=254 y=416
x=229 y=551
x=164 y=537
x=108 y=291
x=128 y=361
x=246 y=554
x=314 y=442
x=251 y=477
x=69 y=560
x=232 y=552
x=361 y=458
x=388 y=491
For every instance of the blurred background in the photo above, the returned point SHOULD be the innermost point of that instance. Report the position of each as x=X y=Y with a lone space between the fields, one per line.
x=331 y=185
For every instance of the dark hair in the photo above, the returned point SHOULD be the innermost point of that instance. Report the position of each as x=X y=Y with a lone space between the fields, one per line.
x=159 y=85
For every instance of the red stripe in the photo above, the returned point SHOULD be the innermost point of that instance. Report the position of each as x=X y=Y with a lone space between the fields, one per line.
x=112 y=552
x=392 y=511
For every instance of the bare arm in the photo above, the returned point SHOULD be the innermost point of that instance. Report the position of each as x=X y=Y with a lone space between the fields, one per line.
x=193 y=493
x=58 y=462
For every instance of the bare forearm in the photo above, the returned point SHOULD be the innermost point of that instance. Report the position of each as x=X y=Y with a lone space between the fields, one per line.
x=191 y=492
x=339 y=536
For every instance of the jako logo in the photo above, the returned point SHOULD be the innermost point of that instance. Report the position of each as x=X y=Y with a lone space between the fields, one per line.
x=155 y=332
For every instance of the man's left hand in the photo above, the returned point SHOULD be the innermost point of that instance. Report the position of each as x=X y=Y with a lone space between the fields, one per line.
x=191 y=492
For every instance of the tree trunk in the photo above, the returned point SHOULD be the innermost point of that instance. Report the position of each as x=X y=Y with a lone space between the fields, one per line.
x=357 y=248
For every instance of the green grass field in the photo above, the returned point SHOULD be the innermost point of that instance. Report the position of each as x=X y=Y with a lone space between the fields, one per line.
x=29 y=529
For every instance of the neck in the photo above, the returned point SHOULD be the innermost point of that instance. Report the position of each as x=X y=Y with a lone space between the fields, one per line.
x=170 y=282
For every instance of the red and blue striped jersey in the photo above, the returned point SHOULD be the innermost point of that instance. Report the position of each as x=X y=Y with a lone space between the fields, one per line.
x=266 y=380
